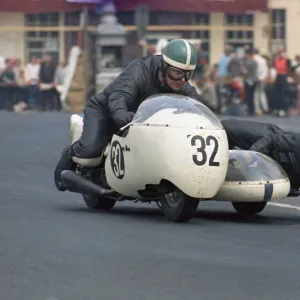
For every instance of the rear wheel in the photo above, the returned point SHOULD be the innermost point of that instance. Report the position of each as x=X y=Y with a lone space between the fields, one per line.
x=178 y=207
x=249 y=208
x=98 y=203
x=95 y=202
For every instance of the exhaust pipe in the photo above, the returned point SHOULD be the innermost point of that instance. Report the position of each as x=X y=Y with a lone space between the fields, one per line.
x=77 y=184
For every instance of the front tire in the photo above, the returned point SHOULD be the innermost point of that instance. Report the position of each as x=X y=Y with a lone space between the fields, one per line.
x=249 y=208
x=98 y=203
x=178 y=207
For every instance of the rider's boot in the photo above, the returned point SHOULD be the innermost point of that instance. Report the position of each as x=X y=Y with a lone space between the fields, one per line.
x=65 y=163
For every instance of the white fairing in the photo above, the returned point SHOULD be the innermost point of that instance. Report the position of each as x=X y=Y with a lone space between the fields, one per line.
x=163 y=144
x=76 y=127
x=253 y=177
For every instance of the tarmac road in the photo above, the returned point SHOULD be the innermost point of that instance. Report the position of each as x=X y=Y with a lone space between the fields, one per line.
x=53 y=247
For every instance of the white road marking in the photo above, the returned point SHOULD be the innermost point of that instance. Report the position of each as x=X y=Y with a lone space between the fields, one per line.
x=284 y=205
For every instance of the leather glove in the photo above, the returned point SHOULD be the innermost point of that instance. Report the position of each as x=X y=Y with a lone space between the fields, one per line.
x=123 y=118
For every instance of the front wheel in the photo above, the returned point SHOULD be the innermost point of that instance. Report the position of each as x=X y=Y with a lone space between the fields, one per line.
x=249 y=208
x=178 y=207
x=98 y=203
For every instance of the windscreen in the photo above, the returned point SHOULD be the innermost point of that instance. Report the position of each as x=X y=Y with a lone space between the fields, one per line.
x=252 y=166
x=180 y=104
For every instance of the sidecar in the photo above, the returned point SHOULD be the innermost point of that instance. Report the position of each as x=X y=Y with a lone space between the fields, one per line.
x=252 y=180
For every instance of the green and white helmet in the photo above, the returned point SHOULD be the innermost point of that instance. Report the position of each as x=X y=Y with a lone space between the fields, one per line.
x=180 y=54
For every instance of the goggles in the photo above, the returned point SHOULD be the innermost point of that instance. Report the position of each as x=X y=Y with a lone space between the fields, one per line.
x=178 y=74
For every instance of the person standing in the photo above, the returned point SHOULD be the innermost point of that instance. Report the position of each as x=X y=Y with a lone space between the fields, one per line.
x=250 y=79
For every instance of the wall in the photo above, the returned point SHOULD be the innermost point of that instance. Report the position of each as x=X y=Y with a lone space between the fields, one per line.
x=292 y=23
x=12 y=43
x=217 y=38
x=261 y=37
x=261 y=20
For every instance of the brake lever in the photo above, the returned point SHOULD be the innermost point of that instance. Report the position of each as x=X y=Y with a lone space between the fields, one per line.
x=130 y=123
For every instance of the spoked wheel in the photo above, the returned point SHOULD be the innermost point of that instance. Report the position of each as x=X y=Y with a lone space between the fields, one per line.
x=179 y=207
x=98 y=203
x=249 y=208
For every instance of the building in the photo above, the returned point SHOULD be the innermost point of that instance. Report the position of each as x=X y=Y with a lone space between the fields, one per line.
x=34 y=26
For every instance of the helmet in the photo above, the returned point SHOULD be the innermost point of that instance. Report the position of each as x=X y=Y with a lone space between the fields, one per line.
x=180 y=54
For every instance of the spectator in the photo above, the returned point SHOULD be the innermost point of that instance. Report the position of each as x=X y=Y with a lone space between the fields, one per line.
x=223 y=63
x=282 y=65
x=32 y=79
x=8 y=85
x=47 y=84
x=260 y=98
x=207 y=90
x=234 y=65
x=201 y=62
x=250 y=79
x=21 y=91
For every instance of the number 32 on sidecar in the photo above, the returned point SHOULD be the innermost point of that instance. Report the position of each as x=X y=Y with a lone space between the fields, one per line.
x=175 y=153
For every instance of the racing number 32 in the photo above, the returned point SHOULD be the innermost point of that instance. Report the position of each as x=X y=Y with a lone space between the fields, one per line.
x=117 y=160
x=201 y=149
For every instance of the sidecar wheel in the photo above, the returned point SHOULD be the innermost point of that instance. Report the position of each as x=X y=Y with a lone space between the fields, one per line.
x=249 y=208
x=98 y=203
x=179 y=207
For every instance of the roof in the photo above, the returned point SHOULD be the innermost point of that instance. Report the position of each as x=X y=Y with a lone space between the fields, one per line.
x=205 y=6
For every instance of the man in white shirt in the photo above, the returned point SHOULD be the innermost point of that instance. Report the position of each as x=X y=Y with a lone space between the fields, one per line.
x=32 y=71
x=260 y=97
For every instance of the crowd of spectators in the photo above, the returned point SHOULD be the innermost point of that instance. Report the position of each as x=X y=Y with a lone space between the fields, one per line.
x=252 y=83
x=32 y=86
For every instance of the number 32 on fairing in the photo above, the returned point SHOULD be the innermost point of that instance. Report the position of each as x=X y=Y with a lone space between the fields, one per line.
x=200 y=143
x=117 y=160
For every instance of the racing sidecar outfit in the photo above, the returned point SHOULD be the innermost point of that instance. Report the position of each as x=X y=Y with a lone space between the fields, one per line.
x=112 y=108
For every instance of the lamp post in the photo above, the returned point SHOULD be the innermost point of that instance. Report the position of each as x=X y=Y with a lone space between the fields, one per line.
x=110 y=38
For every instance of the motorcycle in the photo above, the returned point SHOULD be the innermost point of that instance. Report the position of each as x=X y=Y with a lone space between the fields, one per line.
x=171 y=153
x=175 y=153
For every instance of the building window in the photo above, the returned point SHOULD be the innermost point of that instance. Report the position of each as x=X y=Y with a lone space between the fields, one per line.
x=242 y=37
x=203 y=35
x=278 y=28
x=126 y=18
x=40 y=42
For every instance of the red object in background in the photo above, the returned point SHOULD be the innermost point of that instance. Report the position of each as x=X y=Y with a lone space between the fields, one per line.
x=204 y=6
x=238 y=86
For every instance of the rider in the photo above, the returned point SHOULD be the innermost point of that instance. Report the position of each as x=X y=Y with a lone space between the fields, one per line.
x=269 y=139
x=114 y=107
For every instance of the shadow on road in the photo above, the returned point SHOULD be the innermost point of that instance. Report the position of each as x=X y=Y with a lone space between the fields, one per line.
x=154 y=214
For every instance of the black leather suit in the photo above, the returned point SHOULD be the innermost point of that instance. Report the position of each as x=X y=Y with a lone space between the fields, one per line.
x=104 y=112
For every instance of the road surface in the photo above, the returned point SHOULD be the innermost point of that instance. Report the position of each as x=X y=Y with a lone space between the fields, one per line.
x=53 y=247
